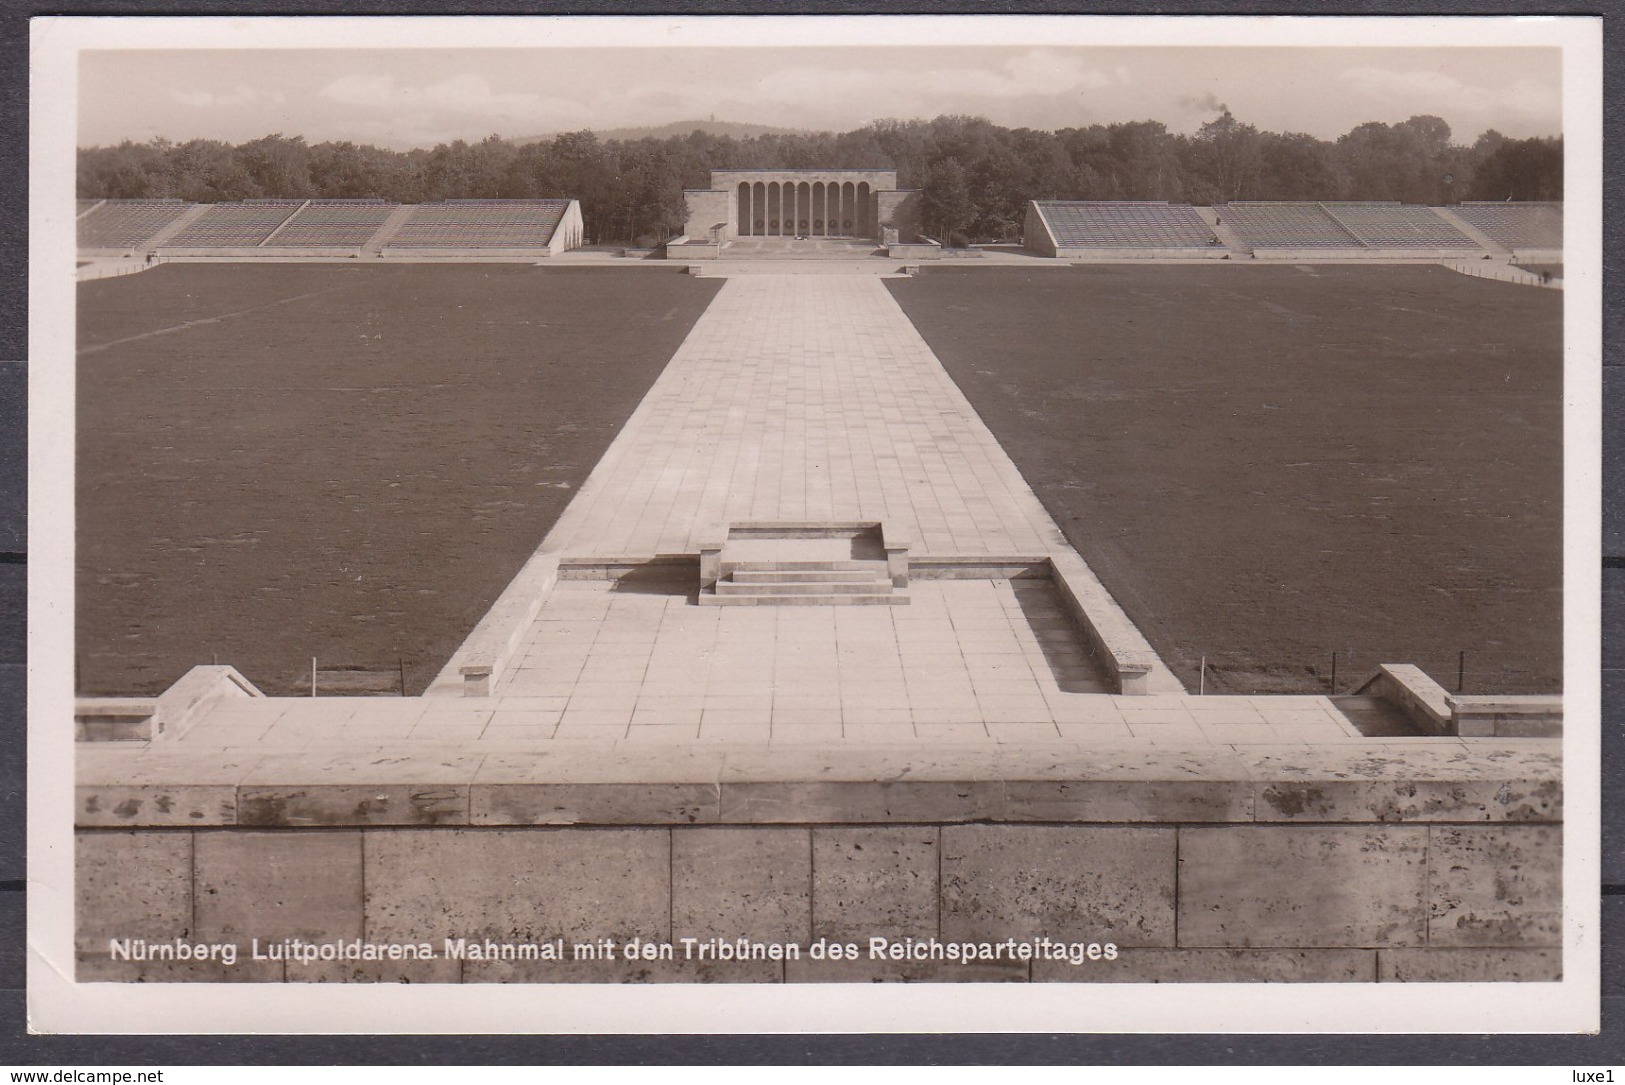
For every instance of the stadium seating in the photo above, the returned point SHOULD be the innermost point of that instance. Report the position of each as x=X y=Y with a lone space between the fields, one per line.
x=333 y=224
x=480 y=224
x=124 y=224
x=1126 y=225
x=1516 y=225
x=1264 y=225
x=235 y=225
x=1397 y=226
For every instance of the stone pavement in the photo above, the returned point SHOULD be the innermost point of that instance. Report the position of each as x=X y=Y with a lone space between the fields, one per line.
x=801 y=397
x=459 y=728
x=804 y=397
x=795 y=397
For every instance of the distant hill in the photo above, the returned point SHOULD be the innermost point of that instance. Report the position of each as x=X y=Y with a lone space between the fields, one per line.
x=681 y=128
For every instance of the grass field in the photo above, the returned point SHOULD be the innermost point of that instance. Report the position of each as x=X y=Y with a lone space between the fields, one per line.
x=1270 y=465
x=350 y=463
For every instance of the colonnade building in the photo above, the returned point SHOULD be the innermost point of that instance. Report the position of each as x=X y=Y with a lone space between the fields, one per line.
x=858 y=204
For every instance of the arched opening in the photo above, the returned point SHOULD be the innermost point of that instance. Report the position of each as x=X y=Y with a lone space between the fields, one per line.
x=866 y=226
x=744 y=209
x=818 y=208
x=758 y=209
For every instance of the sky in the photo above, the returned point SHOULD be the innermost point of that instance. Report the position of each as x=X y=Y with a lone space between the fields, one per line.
x=406 y=97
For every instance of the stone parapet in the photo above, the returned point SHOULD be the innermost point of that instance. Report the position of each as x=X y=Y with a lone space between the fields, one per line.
x=1035 y=903
x=1407 y=781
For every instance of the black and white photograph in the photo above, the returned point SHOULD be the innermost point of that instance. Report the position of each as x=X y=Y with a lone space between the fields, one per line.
x=815 y=524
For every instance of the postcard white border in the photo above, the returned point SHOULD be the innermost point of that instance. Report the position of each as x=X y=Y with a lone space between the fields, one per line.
x=56 y=1004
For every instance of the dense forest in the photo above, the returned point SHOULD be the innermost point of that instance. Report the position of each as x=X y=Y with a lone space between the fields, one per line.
x=975 y=177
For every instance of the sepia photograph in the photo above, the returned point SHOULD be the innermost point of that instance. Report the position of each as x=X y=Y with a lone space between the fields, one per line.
x=917 y=523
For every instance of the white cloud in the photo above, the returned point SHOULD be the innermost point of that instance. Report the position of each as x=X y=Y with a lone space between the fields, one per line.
x=240 y=95
x=466 y=94
x=1440 y=93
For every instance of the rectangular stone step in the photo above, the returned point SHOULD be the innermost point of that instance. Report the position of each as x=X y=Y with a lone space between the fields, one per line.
x=782 y=587
x=803 y=566
x=809 y=576
x=893 y=599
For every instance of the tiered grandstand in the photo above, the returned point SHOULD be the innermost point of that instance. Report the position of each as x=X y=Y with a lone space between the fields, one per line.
x=1068 y=229
x=332 y=224
x=1252 y=227
x=1516 y=226
x=294 y=228
x=235 y=225
x=123 y=225
x=1271 y=225
x=1058 y=226
x=488 y=225
x=1397 y=226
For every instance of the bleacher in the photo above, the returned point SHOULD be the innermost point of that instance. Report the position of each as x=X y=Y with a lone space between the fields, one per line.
x=235 y=225
x=125 y=224
x=1271 y=225
x=1398 y=226
x=1516 y=225
x=333 y=224
x=1126 y=225
x=85 y=205
x=480 y=224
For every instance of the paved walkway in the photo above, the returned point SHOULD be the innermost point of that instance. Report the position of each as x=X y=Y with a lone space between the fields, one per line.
x=804 y=397
x=795 y=397
x=459 y=728
x=977 y=658
x=813 y=397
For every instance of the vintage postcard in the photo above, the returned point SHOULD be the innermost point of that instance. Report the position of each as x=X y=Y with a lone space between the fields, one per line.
x=815 y=524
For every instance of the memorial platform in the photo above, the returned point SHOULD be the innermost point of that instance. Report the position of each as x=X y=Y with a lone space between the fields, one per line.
x=1004 y=757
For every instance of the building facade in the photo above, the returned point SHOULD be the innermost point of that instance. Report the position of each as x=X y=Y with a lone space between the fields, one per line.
x=858 y=204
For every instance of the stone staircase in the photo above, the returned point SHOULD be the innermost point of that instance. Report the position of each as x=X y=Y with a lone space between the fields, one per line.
x=787 y=248
x=162 y=237
x=1226 y=236
x=1478 y=236
x=386 y=233
x=804 y=566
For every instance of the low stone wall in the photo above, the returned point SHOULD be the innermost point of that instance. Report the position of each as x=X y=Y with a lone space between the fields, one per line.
x=1419 y=698
x=1436 y=712
x=1507 y=716
x=1287 y=864
x=1087 y=253
x=120 y=719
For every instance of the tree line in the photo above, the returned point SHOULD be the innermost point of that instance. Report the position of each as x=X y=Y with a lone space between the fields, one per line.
x=975 y=177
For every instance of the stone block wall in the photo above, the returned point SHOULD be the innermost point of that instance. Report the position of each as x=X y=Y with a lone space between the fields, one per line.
x=1179 y=902
x=900 y=210
x=706 y=209
x=1035 y=233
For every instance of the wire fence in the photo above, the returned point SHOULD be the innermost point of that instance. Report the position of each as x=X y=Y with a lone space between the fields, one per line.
x=1506 y=273
x=1343 y=672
